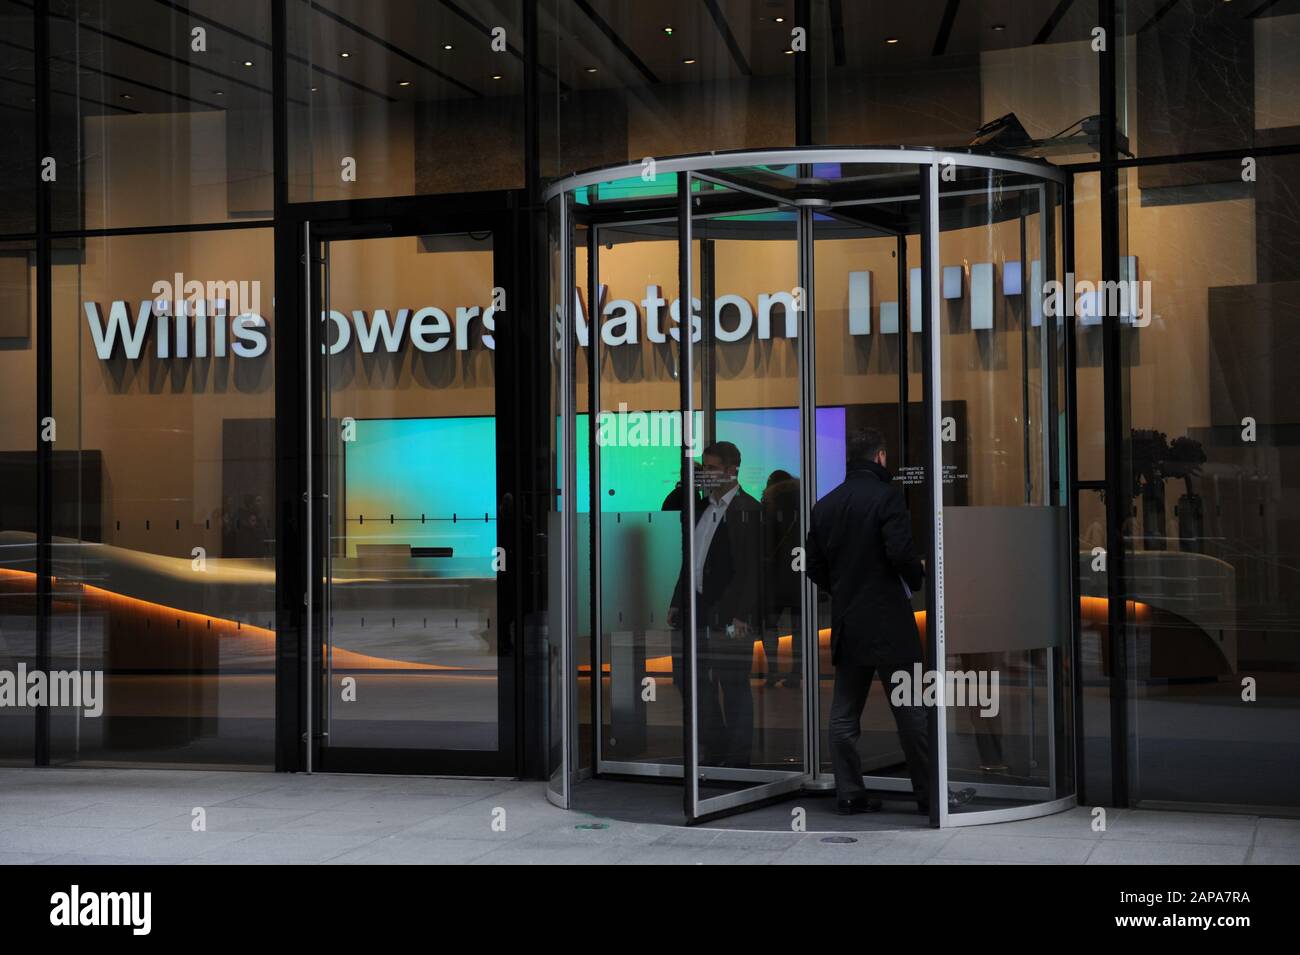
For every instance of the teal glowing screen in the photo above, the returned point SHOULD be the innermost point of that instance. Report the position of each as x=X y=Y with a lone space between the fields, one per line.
x=640 y=463
x=429 y=483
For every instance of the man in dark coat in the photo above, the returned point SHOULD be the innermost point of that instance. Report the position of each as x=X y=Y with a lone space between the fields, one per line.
x=860 y=549
x=727 y=579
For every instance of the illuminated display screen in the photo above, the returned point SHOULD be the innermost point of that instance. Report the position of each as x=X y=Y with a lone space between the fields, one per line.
x=636 y=477
x=426 y=482
x=430 y=483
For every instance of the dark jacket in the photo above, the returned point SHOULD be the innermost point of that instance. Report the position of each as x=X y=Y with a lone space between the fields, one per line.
x=783 y=584
x=733 y=569
x=859 y=546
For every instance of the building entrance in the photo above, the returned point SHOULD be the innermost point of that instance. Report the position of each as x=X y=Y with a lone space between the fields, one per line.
x=721 y=324
x=410 y=670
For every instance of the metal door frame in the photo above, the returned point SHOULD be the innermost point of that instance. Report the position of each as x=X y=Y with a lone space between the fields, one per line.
x=322 y=224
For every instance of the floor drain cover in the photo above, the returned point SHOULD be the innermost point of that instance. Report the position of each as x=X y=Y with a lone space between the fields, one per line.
x=840 y=840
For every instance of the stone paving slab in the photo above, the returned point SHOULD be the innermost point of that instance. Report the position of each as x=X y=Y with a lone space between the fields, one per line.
x=141 y=816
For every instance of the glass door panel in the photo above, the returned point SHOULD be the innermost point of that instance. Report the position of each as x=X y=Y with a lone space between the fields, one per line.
x=740 y=590
x=1005 y=524
x=633 y=494
x=411 y=665
x=869 y=343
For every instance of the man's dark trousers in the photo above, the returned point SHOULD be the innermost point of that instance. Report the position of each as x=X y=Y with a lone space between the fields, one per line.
x=852 y=682
x=724 y=698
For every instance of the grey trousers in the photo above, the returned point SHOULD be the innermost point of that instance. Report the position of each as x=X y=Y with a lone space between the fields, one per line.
x=851 y=686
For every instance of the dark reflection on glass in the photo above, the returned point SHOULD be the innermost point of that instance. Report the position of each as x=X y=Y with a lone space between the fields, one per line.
x=160 y=114
x=18 y=113
x=404 y=98
x=931 y=73
x=1204 y=75
x=18 y=500
x=1210 y=560
x=621 y=81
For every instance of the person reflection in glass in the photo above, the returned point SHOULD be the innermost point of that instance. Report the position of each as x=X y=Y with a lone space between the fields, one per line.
x=782 y=582
x=727 y=578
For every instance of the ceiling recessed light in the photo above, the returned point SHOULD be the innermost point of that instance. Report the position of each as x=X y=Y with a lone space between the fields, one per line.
x=345 y=55
x=126 y=96
x=891 y=40
x=591 y=69
x=446 y=46
x=999 y=27
x=248 y=62
x=218 y=92
x=788 y=52
x=496 y=76
x=313 y=89
x=689 y=60
x=668 y=29
x=780 y=19
x=403 y=82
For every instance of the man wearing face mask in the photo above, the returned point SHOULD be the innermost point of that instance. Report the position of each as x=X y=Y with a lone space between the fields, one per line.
x=728 y=563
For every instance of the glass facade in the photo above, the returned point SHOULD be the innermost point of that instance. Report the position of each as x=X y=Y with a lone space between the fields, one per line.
x=1209 y=555
x=931 y=73
x=154 y=124
x=184 y=186
x=623 y=81
x=404 y=98
x=163 y=540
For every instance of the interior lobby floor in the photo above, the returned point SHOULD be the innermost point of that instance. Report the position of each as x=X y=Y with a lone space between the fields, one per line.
x=151 y=816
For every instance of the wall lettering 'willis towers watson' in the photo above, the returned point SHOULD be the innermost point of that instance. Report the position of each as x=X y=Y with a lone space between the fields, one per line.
x=208 y=326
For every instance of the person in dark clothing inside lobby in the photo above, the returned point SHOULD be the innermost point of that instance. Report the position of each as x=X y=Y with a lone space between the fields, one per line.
x=727 y=575
x=860 y=549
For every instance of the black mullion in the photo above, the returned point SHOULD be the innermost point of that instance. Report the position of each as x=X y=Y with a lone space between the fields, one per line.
x=1113 y=395
x=1281 y=149
x=536 y=426
x=159 y=229
x=506 y=400
x=290 y=385
x=532 y=109
x=44 y=379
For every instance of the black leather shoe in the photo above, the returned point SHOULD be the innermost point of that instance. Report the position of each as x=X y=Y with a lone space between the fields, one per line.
x=848 y=807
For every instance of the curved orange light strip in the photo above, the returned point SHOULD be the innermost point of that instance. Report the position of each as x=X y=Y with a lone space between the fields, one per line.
x=1093 y=610
x=262 y=638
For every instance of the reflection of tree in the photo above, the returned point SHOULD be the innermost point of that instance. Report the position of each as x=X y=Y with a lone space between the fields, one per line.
x=1154 y=461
